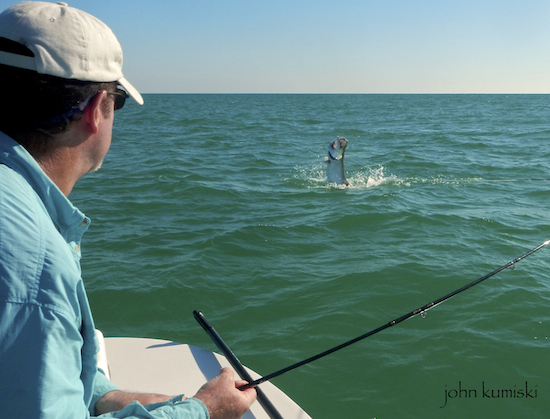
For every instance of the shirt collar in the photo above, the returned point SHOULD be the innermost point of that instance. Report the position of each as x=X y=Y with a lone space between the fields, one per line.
x=66 y=217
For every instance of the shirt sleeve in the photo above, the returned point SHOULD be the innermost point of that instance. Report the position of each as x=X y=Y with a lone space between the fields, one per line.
x=44 y=379
x=40 y=364
x=172 y=409
x=101 y=387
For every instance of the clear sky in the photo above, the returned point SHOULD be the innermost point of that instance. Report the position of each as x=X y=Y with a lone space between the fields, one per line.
x=331 y=46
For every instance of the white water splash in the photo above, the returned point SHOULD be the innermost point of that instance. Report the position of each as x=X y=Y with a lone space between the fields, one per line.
x=373 y=177
x=365 y=178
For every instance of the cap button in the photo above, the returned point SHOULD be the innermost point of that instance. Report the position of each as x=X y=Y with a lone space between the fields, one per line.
x=62 y=3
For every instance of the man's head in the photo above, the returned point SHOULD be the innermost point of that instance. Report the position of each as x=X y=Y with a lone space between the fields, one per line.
x=53 y=60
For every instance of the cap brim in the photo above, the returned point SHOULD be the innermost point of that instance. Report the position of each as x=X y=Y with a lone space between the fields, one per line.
x=132 y=91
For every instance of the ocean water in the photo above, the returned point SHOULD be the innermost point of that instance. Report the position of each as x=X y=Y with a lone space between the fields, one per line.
x=219 y=203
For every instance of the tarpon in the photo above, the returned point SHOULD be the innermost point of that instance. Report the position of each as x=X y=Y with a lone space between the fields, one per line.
x=335 y=162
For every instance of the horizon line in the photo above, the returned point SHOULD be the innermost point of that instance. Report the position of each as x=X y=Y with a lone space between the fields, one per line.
x=332 y=93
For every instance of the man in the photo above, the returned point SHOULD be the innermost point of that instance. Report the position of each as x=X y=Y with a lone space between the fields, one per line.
x=61 y=80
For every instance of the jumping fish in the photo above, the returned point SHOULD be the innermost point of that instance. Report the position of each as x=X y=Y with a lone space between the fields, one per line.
x=335 y=162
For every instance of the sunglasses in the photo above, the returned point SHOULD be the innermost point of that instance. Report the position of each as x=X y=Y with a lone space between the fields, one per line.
x=120 y=98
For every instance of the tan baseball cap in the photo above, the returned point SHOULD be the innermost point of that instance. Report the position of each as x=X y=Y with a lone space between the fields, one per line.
x=66 y=42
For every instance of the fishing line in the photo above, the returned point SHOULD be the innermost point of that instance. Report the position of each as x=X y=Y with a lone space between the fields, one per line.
x=422 y=310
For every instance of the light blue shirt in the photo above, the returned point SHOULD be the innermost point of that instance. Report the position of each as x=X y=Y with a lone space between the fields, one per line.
x=48 y=364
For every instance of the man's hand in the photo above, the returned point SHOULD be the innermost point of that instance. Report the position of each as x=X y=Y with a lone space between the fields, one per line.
x=222 y=398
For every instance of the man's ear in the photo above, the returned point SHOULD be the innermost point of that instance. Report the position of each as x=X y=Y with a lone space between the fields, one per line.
x=94 y=113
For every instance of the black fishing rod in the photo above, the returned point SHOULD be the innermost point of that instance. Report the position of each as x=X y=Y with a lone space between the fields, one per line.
x=269 y=408
x=413 y=313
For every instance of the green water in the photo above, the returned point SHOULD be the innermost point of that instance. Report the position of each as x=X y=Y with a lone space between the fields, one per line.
x=219 y=203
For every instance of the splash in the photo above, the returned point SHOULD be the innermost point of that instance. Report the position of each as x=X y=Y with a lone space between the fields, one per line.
x=372 y=177
x=365 y=178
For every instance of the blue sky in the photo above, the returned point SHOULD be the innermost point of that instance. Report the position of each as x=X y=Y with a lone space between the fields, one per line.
x=331 y=46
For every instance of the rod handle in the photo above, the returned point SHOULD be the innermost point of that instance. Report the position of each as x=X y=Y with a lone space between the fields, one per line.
x=270 y=409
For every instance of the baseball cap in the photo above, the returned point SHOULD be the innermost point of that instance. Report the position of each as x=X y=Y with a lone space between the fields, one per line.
x=66 y=42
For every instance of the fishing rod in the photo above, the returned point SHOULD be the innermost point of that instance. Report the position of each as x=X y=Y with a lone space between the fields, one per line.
x=413 y=313
x=269 y=408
